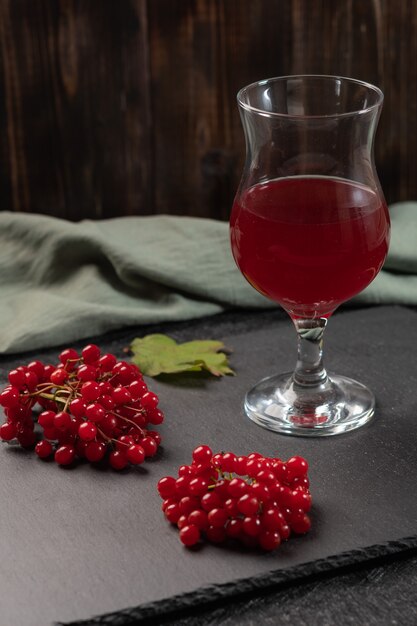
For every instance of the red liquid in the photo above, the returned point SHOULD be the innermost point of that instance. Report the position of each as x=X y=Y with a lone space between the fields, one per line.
x=309 y=243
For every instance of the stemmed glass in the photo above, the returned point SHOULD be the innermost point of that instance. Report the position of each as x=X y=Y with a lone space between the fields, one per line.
x=309 y=229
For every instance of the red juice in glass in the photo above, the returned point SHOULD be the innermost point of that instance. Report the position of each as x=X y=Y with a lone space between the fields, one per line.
x=309 y=243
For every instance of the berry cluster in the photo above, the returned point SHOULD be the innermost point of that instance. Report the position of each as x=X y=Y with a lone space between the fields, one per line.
x=255 y=499
x=92 y=404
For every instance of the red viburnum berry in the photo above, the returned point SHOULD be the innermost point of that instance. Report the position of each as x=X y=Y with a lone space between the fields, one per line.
x=257 y=500
x=92 y=407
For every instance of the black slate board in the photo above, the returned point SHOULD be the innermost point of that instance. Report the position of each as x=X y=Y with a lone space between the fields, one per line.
x=85 y=541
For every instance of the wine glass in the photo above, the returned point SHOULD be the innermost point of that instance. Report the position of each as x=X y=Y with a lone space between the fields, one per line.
x=309 y=229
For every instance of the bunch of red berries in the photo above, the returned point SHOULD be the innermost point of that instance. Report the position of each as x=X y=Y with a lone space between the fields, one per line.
x=92 y=405
x=255 y=499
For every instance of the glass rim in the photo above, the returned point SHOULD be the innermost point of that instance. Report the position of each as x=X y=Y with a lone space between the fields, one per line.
x=272 y=114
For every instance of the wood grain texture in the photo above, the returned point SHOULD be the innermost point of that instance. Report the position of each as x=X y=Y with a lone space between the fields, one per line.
x=75 y=116
x=113 y=108
x=202 y=52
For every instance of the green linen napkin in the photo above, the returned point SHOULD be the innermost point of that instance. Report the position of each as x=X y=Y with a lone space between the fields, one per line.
x=62 y=281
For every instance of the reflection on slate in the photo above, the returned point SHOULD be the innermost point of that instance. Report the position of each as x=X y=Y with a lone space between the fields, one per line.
x=82 y=542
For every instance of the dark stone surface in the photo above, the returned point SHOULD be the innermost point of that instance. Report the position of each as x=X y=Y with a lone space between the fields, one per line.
x=97 y=541
x=381 y=593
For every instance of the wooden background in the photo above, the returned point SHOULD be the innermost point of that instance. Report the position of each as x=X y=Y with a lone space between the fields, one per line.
x=121 y=107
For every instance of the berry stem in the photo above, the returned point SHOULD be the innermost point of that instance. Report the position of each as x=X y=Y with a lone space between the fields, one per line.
x=100 y=432
x=49 y=396
x=136 y=411
x=126 y=419
x=42 y=387
x=69 y=399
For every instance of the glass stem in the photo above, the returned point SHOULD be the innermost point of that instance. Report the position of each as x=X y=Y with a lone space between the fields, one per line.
x=310 y=371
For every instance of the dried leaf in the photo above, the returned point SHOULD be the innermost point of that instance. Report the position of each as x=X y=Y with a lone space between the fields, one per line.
x=160 y=354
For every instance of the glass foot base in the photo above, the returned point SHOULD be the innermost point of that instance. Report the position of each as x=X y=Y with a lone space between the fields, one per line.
x=338 y=405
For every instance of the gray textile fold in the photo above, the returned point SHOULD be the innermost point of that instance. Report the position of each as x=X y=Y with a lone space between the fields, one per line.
x=61 y=281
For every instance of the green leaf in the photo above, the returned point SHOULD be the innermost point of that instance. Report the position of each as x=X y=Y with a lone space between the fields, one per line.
x=160 y=354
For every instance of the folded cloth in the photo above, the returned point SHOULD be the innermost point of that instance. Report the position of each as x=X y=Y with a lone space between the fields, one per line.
x=62 y=281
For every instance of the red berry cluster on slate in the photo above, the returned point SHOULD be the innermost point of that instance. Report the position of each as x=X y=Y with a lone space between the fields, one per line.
x=92 y=404
x=257 y=500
